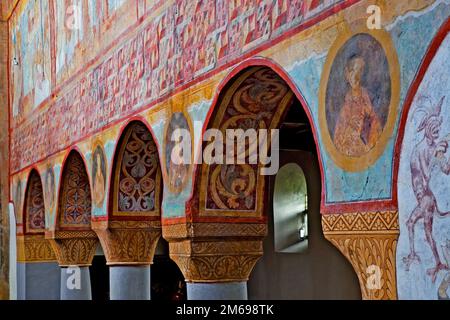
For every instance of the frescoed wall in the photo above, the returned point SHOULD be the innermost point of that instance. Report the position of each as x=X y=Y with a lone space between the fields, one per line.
x=4 y=158
x=30 y=50
x=102 y=87
x=423 y=254
x=167 y=62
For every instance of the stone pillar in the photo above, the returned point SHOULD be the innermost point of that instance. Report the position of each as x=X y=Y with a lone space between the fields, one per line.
x=37 y=270
x=217 y=291
x=75 y=251
x=369 y=241
x=216 y=258
x=130 y=282
x=75 y=283
x=129 y=248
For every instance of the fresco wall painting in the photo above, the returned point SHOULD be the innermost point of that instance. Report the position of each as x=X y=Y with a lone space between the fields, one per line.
x=424 y=180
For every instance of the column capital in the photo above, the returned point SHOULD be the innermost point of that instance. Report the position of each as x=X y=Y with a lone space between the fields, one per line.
x=368 y=240
x=215 y=252
x=34 y=248
x=74 y=248
x=128 y=242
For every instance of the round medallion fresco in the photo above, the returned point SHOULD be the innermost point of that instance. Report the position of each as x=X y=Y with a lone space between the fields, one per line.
x=358 y=98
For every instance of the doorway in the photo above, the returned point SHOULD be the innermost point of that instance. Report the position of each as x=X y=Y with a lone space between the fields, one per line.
x=99 y=273
x=310 y=267
x=167 y=281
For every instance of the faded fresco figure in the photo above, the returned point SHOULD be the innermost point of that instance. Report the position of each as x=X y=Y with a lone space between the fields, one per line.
x=176 y=162
x=358 y=127
x=50 y=188
x=427 y=154
x=99 y=172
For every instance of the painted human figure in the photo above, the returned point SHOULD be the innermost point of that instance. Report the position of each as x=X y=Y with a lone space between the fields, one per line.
x=358 y=127
x=177 y=167
x=426 y=154
x=99 y=181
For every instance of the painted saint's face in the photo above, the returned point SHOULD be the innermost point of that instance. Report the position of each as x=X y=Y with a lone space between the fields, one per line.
x=353 y=73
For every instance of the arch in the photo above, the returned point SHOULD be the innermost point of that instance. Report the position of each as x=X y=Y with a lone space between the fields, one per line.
x=239 y=75
x=428 y=58
x=34 y=205
x=136 y=180
x=74 y=195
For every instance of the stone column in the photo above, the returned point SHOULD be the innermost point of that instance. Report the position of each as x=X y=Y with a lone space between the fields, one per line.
x=75 y=251
x=75 y=283
x=369 y=241
x=129 y=248
x=37 y=270
x=216 y=258
x=217 y=291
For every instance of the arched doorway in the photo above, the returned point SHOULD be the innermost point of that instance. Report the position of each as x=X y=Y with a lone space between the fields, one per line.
x=256 y=99
x=134 y=221
x=73 y=241
x=301 y=263
x=167 y=280
x=38 y=273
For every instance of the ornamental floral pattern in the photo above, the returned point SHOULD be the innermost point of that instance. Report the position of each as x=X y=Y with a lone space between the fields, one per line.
x=35 y=208
x=75 y=202
x=137 y=173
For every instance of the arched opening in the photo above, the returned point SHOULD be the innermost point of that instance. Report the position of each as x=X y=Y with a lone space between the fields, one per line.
x=74 y=224
x=167 y=280
x=310 y=267
x=136 y=195
x=34 y=209
x=75 y=202
x=258 y=98
x=136 y=183
x=38 y=273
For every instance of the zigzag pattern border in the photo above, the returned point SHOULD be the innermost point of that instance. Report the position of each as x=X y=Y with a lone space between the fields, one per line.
x=378 y=221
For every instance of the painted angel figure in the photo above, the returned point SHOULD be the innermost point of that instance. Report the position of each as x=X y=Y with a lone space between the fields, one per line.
x=428 y=152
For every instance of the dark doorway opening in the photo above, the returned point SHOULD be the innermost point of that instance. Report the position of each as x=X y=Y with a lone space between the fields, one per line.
x=99 y=273
x=166 y=278
x=320 y=271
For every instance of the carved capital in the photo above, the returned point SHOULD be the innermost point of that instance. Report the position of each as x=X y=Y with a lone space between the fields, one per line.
x=129 y=242
x=34 y=248
x=215 y=252
x=369 y=242
x=74 y=248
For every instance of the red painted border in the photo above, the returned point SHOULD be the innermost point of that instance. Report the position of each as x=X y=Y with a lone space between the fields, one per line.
x=428 y=58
